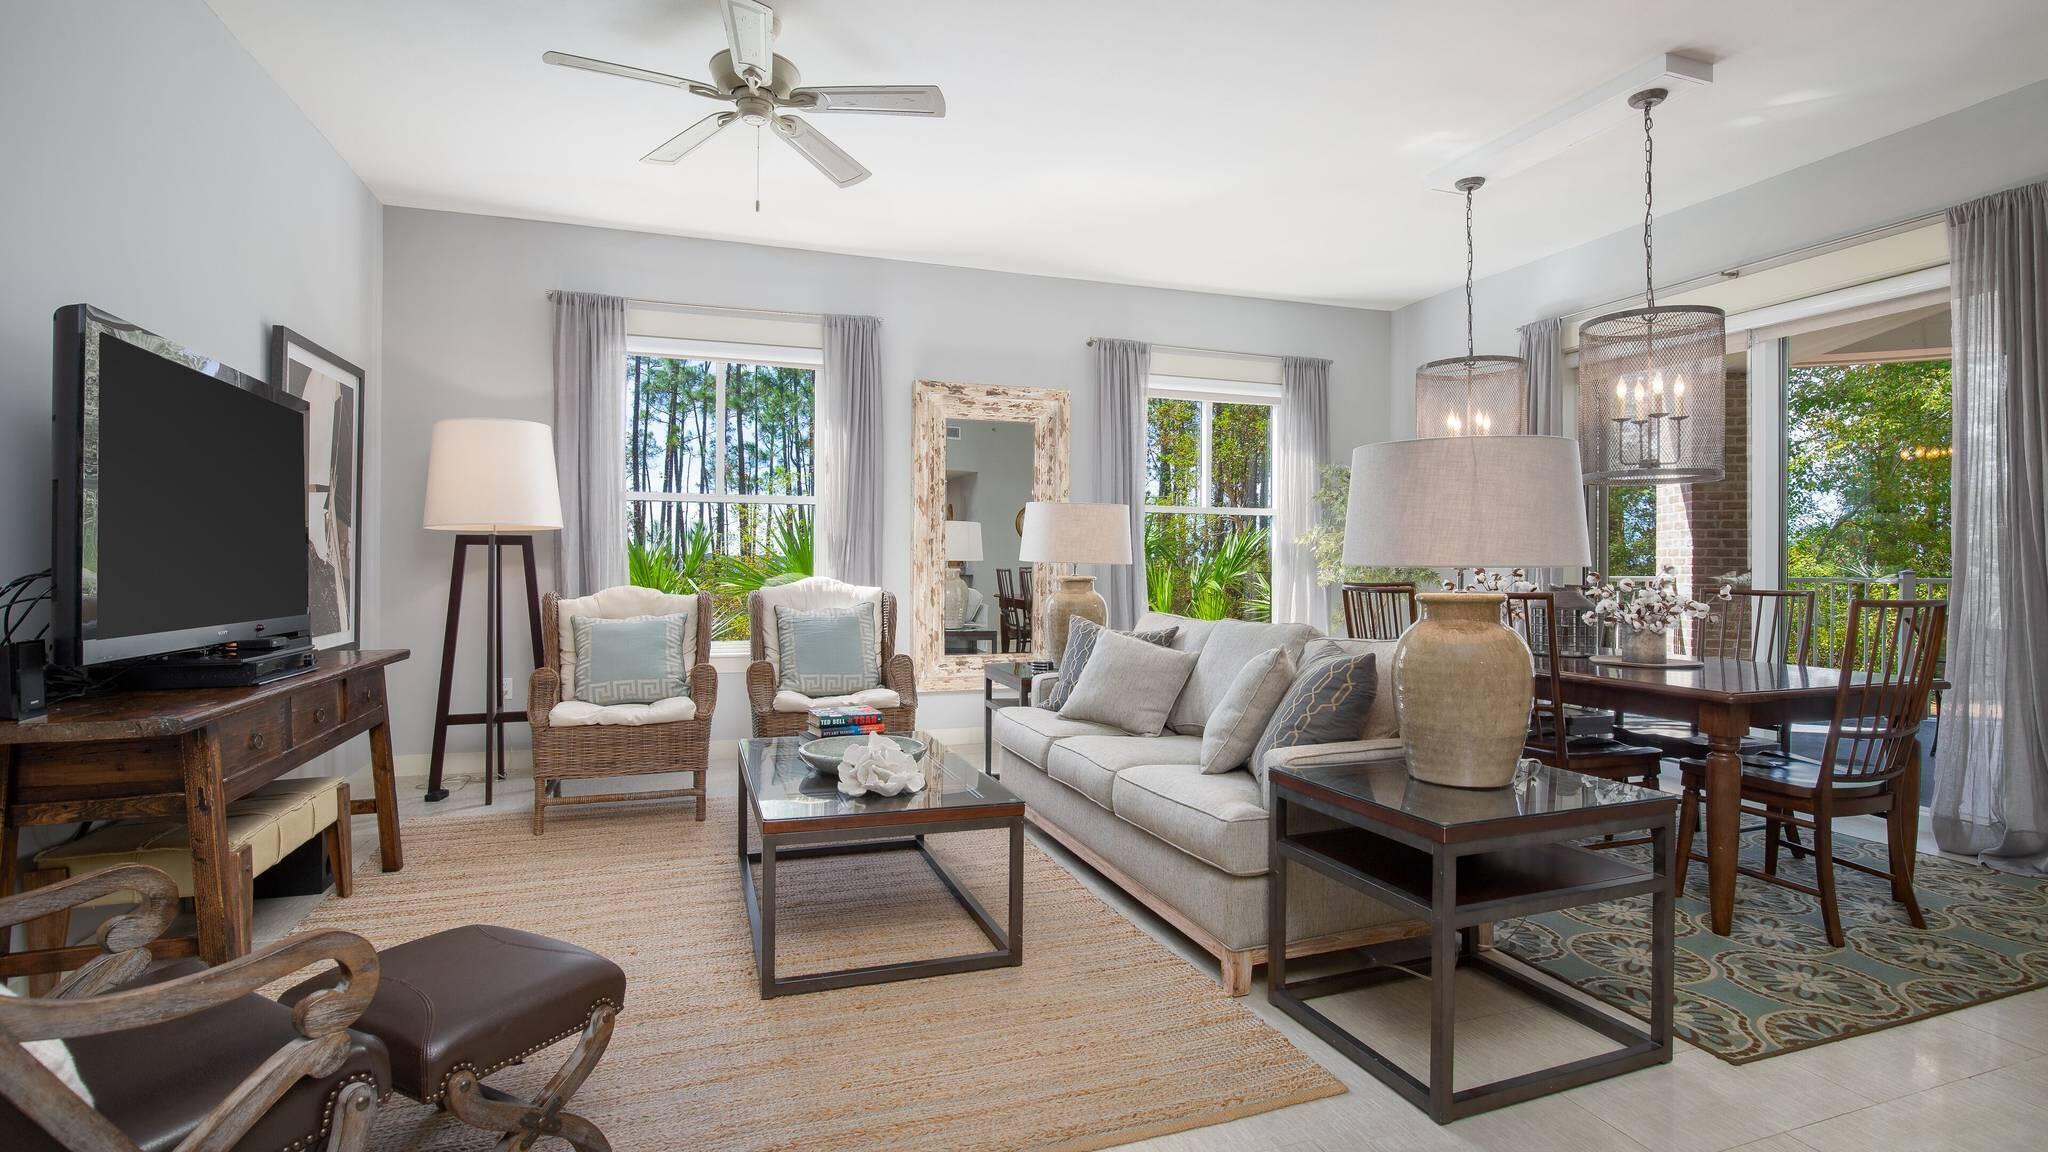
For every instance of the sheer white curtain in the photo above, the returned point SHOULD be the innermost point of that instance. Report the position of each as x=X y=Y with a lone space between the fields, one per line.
x=849 y=449
x=1991 y=773
x=1542 y=346
x=1303 y=451
x=590 y=440
x=1121 y=367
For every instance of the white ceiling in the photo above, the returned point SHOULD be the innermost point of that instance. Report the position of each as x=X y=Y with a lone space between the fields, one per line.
x=1257 y=147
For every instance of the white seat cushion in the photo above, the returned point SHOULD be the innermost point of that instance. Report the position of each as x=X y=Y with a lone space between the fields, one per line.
x=1030 y=732
x=1230 y=645
x=789 y=701
x=1090 y=764
x=578 y=713
x=1218 y=818
x=622 y=603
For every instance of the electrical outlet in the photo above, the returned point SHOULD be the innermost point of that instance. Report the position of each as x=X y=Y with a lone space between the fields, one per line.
x=505 y=689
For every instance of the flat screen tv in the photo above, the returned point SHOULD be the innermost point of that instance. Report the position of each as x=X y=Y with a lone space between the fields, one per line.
x=180 y=518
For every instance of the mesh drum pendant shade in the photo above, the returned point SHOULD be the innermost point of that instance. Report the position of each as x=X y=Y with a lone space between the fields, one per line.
x=1471 y=395
x=1652 y=383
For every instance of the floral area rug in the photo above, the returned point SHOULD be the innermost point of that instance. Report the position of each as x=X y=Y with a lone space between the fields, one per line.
x=1774 y=985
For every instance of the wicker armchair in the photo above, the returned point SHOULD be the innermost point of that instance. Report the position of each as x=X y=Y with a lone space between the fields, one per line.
x=584 y=751
x=899 y=675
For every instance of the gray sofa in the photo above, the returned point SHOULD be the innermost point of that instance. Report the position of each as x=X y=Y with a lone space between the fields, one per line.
x=1193 y=847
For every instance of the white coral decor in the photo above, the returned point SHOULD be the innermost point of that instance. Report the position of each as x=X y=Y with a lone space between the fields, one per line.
x=880 y=766
x=1653 y=605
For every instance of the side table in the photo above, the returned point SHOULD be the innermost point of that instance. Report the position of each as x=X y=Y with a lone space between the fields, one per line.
x=1459 y=859
x=1016 y=674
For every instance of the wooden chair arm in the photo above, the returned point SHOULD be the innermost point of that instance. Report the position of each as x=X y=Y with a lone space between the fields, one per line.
x=153 y=914
x=704 y=688
x=543 y=692
x=900 y=674
x=761 y=686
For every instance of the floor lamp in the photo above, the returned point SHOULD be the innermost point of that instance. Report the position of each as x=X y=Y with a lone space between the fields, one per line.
x=493 y=483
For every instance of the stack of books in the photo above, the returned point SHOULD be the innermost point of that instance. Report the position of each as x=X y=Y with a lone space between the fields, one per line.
x=854 y=720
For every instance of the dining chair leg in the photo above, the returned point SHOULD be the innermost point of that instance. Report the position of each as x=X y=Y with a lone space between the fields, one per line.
x=1688 y=822
x=1824 y=871
x=1902 y=834
x=1794 y=844
x=1773 y=829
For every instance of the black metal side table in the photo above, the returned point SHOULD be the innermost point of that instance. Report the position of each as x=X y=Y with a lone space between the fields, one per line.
x=1016 y=674
x=1459 y=859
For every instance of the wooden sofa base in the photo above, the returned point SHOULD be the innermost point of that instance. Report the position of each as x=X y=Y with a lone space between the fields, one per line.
x=1234 y=965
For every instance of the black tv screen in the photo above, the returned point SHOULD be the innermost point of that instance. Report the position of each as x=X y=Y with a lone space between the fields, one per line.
x=186 y=498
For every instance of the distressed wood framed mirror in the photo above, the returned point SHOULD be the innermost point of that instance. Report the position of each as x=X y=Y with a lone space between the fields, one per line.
x=980 y=454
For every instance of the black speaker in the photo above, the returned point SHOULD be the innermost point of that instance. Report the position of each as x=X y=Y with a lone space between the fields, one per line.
x=26 y=696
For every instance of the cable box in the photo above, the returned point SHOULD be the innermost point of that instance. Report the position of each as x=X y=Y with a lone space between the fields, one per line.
x=226 y=667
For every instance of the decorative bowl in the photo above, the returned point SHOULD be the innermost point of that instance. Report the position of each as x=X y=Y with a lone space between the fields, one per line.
x=824 y=755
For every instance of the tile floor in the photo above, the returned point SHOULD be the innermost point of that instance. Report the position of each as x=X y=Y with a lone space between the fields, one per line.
x=1968 y=1080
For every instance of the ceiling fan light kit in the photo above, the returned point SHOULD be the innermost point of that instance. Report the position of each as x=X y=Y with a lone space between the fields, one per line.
x=764 y=89
x=1471 y=395
x=1652 y=380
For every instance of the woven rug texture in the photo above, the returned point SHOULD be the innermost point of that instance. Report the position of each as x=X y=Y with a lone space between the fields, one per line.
x=1774 y=985
x=1103 y=1036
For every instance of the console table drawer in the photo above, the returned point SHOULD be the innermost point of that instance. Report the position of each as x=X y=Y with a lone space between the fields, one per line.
x=316 y=710
x=365 y=694
x=254 y=735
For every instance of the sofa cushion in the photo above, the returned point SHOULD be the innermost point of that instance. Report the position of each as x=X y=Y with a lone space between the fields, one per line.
x=1189 y=633
x=1030 y=732
x=1081 y=637
x=579 y=713
x=621 y=603
x=1129 y=683
x=1230 y=646
x=1240 y=719
x=790 y=701
x=1328 y=703
x=1383 y=719
x=1219 y=819
x=1090 y=764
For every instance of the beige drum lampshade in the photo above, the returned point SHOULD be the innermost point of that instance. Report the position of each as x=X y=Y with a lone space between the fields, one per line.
x=1060 y=533
x=963 y=539
x=492 y=476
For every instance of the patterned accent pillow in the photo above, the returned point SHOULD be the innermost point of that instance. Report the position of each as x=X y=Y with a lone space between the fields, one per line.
x=637 y=660
x=828 y=651
x=1327 y=704
x=1081 y=634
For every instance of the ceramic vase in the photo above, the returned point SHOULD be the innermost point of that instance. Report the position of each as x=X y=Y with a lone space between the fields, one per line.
x=1462 y=682
x=1076 y=597
x=1641 y=646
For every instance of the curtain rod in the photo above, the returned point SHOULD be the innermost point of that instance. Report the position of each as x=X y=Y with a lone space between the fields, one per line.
x=721 y=310
x=1203 y=351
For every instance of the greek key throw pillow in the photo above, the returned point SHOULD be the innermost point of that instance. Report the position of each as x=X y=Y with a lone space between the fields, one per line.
x=636 y=660
x=828 y=651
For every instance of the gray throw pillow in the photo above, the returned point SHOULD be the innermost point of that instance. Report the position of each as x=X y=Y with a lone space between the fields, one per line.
x=827 y=651
x=1081 y=634
x=1247 y=707
x=1383 y=720
x=1327 y=704
x=1129 y=683
x=637 y=660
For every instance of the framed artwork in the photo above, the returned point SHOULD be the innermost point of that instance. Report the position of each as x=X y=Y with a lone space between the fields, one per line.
x=333 y=391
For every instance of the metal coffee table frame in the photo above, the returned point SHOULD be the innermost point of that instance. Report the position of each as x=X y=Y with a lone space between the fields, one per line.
x=1453 y=940
x=885 y=831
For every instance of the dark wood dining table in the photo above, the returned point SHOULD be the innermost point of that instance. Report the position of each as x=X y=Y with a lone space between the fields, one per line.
x=1725 y=698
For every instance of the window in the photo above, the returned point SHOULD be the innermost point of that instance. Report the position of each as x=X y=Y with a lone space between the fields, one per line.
x=1631 y=531
x=721 y=472
x=1209 y=498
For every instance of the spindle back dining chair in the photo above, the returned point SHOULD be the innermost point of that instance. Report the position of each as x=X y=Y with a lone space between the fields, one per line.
x=1378 y=611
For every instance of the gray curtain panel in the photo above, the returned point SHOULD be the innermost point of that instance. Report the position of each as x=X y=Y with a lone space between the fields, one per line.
x=849 y=450
x=1543 y=411
x=590 y=440
x=1991 y=773
x=1121 y=368
x=1304 y=449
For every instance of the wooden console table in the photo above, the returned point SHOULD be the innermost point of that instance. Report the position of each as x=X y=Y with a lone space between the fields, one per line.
x=192 y=752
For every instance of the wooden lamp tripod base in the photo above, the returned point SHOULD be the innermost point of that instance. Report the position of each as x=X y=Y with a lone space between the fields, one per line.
x=493 y=717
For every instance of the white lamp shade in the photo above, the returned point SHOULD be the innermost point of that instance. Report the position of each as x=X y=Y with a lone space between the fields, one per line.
x=963 y=539
x=1467 y=502
x=492 y=476
x=1057 y=533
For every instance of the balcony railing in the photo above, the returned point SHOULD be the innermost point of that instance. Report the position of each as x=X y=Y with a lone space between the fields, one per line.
x=1832 y=596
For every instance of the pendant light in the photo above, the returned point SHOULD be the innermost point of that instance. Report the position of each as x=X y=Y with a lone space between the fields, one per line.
x=1652 y=382
x=1471 y=395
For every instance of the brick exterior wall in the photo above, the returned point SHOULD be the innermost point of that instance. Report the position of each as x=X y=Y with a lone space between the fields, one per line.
x=1703 y=529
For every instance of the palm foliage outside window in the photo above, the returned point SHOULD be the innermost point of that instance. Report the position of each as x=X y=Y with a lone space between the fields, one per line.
x=721 y=478
x=1209 y=505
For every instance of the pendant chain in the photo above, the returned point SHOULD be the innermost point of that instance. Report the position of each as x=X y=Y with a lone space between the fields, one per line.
x=1649 y=161
x=1468 y=273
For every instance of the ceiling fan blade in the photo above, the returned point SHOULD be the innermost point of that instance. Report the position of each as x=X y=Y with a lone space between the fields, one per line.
x=894 y=99
x=686 y=141
x=823 y=154
x=750 y=32
x=567 y=60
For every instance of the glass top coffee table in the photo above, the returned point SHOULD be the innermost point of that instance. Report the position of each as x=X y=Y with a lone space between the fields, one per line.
x=801 y=813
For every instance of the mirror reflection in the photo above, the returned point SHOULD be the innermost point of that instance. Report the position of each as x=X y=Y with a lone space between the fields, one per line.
x=987 y=595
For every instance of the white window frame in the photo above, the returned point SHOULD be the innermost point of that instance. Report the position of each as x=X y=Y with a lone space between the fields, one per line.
x=720 y=354
x=1209 y=393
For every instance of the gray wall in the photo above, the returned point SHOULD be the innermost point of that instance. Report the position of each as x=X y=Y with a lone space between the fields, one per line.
x=466 y=333
x=1998 y=144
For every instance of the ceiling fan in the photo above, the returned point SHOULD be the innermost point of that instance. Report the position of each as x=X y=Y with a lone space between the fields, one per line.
x=762 y=88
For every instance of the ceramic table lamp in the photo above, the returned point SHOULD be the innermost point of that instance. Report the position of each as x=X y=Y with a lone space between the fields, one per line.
x=1461 y=678
x=1057 y=533
x=963 y=543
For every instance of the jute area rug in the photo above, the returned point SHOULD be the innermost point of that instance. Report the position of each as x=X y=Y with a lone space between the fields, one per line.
x=1774 y=985
x=1102 y=1037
